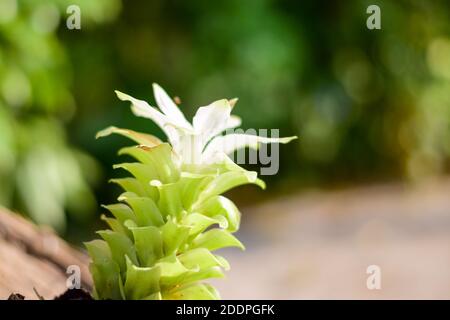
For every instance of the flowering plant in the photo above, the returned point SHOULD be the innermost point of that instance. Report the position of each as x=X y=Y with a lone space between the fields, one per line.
x=172 y=214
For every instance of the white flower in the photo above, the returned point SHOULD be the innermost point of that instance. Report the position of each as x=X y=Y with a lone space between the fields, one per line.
x=199 y=142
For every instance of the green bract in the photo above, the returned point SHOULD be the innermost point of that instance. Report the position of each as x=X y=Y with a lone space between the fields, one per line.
x=165 y=228
x=172 y=215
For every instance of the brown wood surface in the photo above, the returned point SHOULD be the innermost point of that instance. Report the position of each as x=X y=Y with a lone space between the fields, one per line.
x=35 y=259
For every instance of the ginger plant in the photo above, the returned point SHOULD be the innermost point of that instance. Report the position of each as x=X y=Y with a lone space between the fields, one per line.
x=172 y=215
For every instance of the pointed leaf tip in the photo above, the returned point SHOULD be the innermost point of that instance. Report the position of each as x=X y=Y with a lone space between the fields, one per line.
x=105 y=132
x=260 y=183
x=287 y=139
x=122 y=96
x=233 y=102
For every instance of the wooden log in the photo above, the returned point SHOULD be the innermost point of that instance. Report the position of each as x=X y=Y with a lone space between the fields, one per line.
x=34 y=259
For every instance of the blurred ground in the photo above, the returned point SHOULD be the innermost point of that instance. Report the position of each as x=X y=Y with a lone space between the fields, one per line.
x=320 y=245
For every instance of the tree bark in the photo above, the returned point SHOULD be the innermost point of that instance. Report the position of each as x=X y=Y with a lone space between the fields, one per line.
x=34 y=260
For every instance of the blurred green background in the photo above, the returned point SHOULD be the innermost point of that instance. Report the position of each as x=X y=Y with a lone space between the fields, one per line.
x=367 y=105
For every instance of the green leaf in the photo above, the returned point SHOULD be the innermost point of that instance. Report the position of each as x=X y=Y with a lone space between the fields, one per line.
x=158 y=159
x=169 y=199
x=145 y=210
x=199 y=222
x=229 y=180
x=116 y=226
x=154 y=296
x=143 y=174
x=192 y=185
x=219 y=205
x=172 y=270
x=121 y=211
x=174 y=236
x=141 y=282
x=202 y=274
x=132 y=185
x=149 y=246
x=138 y=137
x=122 y=289
x=200 y=291
x=105 y=271
x=216 y=239
x=120 y=246
x=202 y=258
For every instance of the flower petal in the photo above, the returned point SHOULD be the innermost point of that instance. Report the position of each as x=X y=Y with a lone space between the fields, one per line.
x=234 y=141
x=209 y=121
x=143 y=109
x=170 y=109
x=139 y=137
x=233 y=122
x=233 y=102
